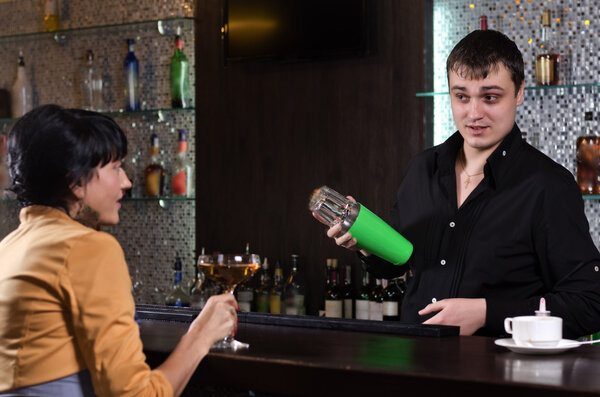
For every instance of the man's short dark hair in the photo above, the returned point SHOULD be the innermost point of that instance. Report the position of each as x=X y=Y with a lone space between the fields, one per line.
x=52 y=149
x=481 y=52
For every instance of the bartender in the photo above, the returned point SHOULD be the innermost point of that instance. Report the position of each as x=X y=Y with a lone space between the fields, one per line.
x=495 y=223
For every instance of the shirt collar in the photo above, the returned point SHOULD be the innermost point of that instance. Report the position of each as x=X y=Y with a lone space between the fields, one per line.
x=497 y=163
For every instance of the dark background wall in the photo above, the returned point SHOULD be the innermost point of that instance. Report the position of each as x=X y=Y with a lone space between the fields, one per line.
x=269 y=133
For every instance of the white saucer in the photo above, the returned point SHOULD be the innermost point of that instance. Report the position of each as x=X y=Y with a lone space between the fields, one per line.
x=561 y=346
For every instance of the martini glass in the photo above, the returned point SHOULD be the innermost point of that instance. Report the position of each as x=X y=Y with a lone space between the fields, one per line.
x=229 y=270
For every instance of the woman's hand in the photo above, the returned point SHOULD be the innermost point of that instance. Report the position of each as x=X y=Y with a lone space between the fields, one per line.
x=217 y=319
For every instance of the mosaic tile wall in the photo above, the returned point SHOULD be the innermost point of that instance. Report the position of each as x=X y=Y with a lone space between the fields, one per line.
x=552 y=117
x=151 y=232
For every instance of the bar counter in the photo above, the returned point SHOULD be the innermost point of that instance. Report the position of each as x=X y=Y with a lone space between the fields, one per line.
x=322 y=358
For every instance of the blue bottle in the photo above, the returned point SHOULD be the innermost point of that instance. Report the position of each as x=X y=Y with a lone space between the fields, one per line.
x=131 y=69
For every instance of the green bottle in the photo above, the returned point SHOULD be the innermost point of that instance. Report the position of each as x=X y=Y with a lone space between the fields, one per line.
x=180 y=81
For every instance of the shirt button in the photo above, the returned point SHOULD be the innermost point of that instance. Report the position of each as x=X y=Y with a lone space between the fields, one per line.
x=452 y=224
x=443 y=262
x=433 y=300
x=596 y=268
x=504 y=153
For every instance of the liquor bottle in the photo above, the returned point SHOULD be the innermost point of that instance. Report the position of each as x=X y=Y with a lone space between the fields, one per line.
x=276 y=291
x=177 y=296
x=348 y=293
x=183 y=172
x=131 y=68
x=333 y=294
x=364 y=295
x=51 y=19
x=91 y=84
x=392 y=299
x=376 y=301
x=263 y=289
x=547 y=60
x=21 y=94
x=294 y=290
x=328 y=262
x=401 y=283
x=180 y=80
x=245 y=296
x=137 y=286
x=244 y=291
x=155 y=172
x=588 y=158
x=483 y=22
x=197 y=294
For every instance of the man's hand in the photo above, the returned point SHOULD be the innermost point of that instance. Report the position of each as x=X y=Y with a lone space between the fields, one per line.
x=468 y=314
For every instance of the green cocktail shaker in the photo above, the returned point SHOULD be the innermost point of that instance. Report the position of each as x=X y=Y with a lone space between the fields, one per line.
x=371 y=233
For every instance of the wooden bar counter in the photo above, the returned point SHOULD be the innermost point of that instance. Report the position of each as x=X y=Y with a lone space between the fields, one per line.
x=294 y=356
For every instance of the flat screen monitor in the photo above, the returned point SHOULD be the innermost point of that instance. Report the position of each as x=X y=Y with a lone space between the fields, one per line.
x=294 y=29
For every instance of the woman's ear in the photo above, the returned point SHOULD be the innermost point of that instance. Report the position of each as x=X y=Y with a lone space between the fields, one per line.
x=78 y=191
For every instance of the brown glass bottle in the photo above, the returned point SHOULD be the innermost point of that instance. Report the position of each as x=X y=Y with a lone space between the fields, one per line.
x=547 y=60
x=155 y=172
x=588 y=158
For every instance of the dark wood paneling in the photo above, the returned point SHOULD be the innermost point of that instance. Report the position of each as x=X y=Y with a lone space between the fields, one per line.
x=269 y=133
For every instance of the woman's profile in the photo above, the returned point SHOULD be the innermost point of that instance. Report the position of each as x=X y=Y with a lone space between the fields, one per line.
x=66 y=311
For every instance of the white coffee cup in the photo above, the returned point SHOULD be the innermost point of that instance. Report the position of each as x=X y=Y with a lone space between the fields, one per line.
x=537 y=331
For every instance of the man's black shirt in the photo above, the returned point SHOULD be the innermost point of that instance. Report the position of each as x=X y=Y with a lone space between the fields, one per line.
x=520 y=235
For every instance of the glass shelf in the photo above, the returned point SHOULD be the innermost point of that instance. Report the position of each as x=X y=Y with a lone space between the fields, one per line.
x=165 y=27
x=591 y=196
x=122 y=113
x=146 y=199
x=133 y=199
x=540 y=87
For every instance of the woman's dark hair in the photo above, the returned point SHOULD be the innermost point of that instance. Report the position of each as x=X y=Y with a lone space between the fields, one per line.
x=482 y=51
x=52 y=149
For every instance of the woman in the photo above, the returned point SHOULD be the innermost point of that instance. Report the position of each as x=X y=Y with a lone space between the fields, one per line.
x=66 y=310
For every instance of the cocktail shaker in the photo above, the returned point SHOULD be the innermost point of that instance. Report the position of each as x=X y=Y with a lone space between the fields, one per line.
x=371 y=232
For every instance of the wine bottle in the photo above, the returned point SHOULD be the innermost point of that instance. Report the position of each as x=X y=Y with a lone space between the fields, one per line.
x=183 y=171
x=348 y=293
x=91 y=84
x=392 y=299
x=588 y=157
x=333 y=296
x=483 y=22
x=131 y=68
x=51 y=19
x=180 y=80
x=155 y=172
x=197 y=293
x=245 y=296
x=21 y=94
x=177 y=296
x=376 y=301
x=364 y=295
x=547 y=60
x=294 y=290
x=263 y=289
x=244 y=291
x=276 y=292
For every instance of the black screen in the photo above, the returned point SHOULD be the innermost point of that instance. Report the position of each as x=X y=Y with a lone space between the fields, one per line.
x=294 y=29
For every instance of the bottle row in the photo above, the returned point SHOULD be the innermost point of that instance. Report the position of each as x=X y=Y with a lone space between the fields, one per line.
x=19 y=100
x=271 y=292
x=156 y=175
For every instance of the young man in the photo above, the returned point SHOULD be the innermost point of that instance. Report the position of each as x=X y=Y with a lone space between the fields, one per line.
x=496 y=225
